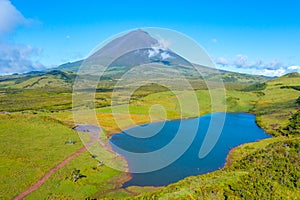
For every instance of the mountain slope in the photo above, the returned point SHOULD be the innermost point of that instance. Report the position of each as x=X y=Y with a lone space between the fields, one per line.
x=52 y=79
x=143 y=50
x=148 y=52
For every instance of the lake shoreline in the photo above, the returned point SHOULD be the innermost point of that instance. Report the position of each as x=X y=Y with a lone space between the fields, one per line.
x=244 y=116
x=114 y=132
x=88 y=128
x=228 y=157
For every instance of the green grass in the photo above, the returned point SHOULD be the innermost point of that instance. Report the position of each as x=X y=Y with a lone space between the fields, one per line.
x=248 y=177
x=43 y=100
x=30 y=147
x=270 y=170
x=35 y=100
x=277 y=104
x=61 y=185
x=53 y=79
x=237 y=101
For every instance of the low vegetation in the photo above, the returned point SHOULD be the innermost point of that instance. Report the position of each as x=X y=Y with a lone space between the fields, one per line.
x=29 y=147
x=277 y=104
x=269 y=172
x=81 y=178
x=268 y=169
x=262 y=170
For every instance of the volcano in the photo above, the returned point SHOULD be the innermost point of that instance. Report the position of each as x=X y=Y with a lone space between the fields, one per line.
x=140 y=48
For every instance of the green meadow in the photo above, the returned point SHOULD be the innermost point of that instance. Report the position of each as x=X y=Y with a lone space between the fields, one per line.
x=34 y=136
x=95 y=180
x=30 y=147
x=268 y=169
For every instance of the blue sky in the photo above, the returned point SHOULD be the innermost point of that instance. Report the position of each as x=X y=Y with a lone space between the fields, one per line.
x=257 y=37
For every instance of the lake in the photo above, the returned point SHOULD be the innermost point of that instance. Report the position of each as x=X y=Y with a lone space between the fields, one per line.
x=238 y=128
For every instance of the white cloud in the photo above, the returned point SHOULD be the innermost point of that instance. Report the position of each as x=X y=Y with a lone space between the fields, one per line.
x=162 y=45
x=15 y=58
x=222 y=61
x=294 y=67
x=273 y=65
x=165 y=55
x=18 y=59
x=155 y=51
x=241 y=63
x=152 y=52
x=271 y=72
x=10 y=17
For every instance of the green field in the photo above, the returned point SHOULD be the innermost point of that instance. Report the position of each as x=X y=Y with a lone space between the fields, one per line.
x=97 y=179
x=30 y=147
x=33 y=140
x=278 y=103
x=268 y=169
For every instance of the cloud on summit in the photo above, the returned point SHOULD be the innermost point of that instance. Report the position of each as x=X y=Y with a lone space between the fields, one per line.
x=158 y=52
x=153 y=52
x=160 y=49
x=165 y=55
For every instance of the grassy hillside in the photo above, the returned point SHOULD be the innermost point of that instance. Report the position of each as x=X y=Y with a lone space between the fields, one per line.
x=258 y=170
x=29 y=147
x=278 y=103
x=139 y=109
x=63 y=77
x=51 y=91
x=95 y=180
x=268 y=169
x=35 y=100
x=52 y=79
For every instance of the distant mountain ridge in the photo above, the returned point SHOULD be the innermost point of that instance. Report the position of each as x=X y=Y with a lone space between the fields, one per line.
x=152 y=52
x=140 y=49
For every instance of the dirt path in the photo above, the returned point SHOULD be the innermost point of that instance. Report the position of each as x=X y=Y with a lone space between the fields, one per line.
x=54 y=169
x=49 y=173
x=94 y=134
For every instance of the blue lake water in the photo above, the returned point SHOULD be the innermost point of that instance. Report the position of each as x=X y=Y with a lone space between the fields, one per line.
x=238 y=128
